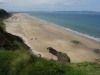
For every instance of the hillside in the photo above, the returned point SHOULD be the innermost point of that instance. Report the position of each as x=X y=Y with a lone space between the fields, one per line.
x=15 y=59
x=3 y=14
x=8 y=41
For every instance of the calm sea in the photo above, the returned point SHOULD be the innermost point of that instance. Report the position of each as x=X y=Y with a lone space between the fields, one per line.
x=88 y=24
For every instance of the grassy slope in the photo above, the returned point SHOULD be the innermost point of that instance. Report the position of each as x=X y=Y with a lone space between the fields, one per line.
x=24 y=63
x=16 y=60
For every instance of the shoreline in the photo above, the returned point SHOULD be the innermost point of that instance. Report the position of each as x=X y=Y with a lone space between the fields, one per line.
x=40 y=35
x=67 y=29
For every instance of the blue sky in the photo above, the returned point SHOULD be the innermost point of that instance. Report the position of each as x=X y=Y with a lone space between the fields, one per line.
x=50 y=5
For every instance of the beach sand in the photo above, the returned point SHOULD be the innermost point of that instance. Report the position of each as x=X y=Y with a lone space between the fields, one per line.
x=39 y=35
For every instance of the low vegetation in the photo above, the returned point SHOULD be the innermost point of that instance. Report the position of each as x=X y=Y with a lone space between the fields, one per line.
x=96 y=51
x=75 y=42
x=15 y=59
x=2 y=26
x=3 y=14
x=62 y=57
x=25 y=63
x=8 y=41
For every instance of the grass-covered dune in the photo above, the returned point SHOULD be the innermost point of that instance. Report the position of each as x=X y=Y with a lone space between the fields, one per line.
x=15 y=59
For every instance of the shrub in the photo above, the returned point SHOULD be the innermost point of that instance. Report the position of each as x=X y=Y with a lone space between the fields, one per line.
x=96 y=51
x=75 y=42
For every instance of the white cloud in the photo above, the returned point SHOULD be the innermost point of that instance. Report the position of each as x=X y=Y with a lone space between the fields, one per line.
x=49 y=4
x=40 y=4
x=2 y=1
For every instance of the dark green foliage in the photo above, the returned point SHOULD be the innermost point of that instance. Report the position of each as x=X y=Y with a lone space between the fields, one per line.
x=63 y=58
x=2 y=26
x=96 y=51
x=10 y=42
x=3 y=14
x=75 y=42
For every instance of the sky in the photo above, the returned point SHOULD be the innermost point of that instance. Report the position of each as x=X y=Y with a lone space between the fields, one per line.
x=50 y=5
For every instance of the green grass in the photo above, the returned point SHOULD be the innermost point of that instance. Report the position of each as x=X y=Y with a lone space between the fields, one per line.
x=25 y=63
x=2 y=26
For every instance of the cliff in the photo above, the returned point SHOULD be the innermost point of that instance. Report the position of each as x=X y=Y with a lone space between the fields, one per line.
x=9 y=41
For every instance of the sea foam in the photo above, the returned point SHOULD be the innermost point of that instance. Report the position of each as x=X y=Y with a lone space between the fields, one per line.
x=67 y=29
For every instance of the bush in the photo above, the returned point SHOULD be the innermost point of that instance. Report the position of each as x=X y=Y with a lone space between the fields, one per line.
x=96 y=51
x=75 y=42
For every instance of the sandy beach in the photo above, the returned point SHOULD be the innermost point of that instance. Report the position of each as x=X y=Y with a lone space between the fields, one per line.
x=39 y=36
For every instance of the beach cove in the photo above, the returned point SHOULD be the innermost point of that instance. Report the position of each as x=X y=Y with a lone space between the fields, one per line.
x=39 y=36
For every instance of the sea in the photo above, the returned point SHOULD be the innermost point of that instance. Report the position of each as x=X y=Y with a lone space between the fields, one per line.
x=84 y=23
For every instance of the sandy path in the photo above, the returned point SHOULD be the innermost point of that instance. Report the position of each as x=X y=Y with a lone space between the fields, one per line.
x=39 y=35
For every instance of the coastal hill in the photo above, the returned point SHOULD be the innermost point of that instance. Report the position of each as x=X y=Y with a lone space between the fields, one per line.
x=17 y=59
x=78 y=12
x=3 y=14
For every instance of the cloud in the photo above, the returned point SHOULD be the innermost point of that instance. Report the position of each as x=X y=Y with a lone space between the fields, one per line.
x=2 y=1
x=50 y=4
x=36 y=4
x=39 y=2
x=35 y=1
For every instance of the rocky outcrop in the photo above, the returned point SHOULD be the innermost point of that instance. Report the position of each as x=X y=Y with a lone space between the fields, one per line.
x=53 y=51
x=62 y=57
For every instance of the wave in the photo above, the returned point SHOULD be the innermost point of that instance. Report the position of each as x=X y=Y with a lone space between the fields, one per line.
x=68 y=29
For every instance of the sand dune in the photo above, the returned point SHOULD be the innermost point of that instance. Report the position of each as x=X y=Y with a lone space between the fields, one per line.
x=39 y=36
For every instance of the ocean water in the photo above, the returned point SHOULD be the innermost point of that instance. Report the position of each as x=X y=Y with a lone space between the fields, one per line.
x=84 y=23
